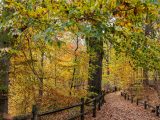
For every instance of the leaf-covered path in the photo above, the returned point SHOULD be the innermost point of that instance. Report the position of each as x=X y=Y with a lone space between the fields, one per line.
x=116 y=108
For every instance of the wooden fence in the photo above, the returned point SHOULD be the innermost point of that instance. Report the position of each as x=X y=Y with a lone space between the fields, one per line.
x=95 y=103
x=155 y=109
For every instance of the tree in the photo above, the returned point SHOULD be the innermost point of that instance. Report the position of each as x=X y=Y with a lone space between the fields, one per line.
x=4 y=72
x=95 y=48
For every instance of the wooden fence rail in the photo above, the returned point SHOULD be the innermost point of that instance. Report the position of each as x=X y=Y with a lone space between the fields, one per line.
x=99 y=100
x=146 y=105
x=96 y=103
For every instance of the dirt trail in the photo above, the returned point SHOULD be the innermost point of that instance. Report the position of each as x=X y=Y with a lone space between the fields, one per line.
x=116 y=108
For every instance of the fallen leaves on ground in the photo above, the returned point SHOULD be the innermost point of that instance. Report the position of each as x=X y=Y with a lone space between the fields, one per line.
x=116 y=108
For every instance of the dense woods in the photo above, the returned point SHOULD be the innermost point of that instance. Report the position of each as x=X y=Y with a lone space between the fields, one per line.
x=54 y=52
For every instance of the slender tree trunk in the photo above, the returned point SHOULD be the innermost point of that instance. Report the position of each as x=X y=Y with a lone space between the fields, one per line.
x=145 y=77
x=55 y=67
x=157 y=81
x=41 y=78
x=108 y=58
x=74 y=69
x=145 y=69
x=4 y=71
x=147 y=32
x=95 y=49
x=4 y=80
x=55 y=72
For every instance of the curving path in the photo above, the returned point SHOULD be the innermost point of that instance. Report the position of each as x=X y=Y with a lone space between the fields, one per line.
x=116 y=108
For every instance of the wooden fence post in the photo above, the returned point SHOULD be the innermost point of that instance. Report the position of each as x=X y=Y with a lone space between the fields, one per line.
x=121 y=94
x=99 y=102
x=82 y=109
x=145 y=104
x=34 y=112
x=102 y=98
x=137 y=101
x=103 y=94
x=125 y=96
x=131 y=99
x=128 y=97
x=115 y=89
x=157 y=110
x=94 y=107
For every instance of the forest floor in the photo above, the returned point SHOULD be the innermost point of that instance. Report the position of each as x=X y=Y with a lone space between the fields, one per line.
x=116 y=108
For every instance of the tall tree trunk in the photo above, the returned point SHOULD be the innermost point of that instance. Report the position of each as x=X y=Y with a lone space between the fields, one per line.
x=95 y=49
x=4 y=80
x=41 y=78
x=145 y=69
x=4 y=71
x=157 y=81
x=145 y=77
x=108 y=57
x=75 y=67
x=55 y=68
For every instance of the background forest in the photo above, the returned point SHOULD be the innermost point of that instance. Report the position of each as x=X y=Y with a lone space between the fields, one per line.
x=53 y=52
